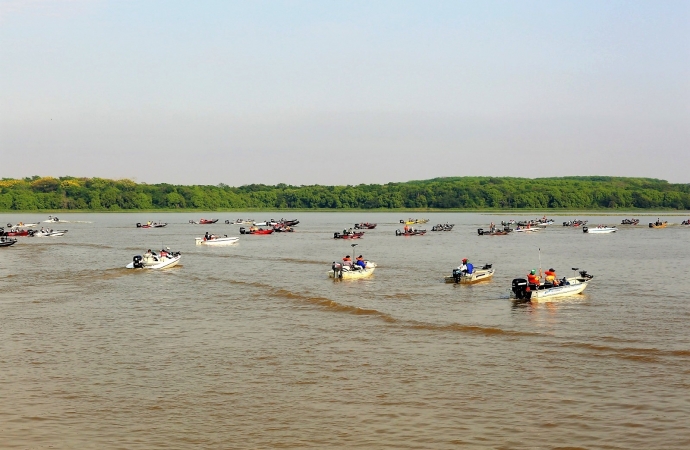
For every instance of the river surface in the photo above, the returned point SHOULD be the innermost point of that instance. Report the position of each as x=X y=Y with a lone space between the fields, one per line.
x=254 y=347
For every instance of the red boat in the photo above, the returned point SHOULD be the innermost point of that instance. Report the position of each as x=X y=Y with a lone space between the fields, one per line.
x=365 y=226
x=337 y=235
x=18 y=233
x=207 y=221
x=258 y=231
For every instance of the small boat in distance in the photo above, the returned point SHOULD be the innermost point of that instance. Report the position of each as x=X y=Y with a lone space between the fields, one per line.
x=255 y=230
x=365 y=226
x=658 y=224
x=443 y=227
x=599 y=229
x=630 y=221
x=216 y=241
x=413 y=221
x=348 y=235
x=410 y=232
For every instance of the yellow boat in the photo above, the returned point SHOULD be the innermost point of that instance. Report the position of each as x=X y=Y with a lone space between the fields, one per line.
x=344 y=272
x=658 y=224
x=414 y=221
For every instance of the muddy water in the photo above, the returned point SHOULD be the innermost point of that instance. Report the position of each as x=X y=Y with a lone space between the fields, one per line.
x=252 y=346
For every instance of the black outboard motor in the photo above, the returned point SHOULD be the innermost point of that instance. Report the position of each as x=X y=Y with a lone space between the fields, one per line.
x=584 y=229
x=585 y=275
x=138 y=224
x=487 y=266
x=398 y=232
x=137 y=262
x=480 y=231
x=521 y=289
x=336 y=235
x=243 y=230
x=227 y=222
x=457 y=274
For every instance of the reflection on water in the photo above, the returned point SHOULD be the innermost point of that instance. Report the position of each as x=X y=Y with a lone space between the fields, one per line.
x=253 y=346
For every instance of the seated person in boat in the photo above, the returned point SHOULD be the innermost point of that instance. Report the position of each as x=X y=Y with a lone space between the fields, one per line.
x=551 y=277
x=347 y=261
x=469 y=266
x=533 y=278
x=360 y=262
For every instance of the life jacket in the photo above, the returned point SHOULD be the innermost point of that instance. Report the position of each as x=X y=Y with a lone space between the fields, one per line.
x=532 y=279
x=470 y=268
x=550 y=276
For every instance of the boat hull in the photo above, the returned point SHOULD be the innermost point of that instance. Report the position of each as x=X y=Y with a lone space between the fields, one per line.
x=218 y=242
x=477 y=277
x=351 y=274
x=602 y=230
x=164 y=264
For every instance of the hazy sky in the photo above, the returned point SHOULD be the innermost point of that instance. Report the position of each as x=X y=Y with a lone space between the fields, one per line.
x=343 y=92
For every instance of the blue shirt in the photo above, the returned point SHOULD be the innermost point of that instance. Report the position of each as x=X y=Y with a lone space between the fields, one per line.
x=470 y=268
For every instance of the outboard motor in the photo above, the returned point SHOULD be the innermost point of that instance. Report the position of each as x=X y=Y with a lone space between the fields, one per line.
x=336 y=235
x=507 y=229
x=521 y=289
x=398 y=232
x=243 y=230
x=337 y=270
x=584 y=229
x=585 y=275
x=138 y=224
x=227 y=222
x=137 y=262
x=480 y=231
x=487 y=266
x=457 y=274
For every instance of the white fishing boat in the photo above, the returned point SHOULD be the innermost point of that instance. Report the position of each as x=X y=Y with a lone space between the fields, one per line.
x=346 y=272
x=216 y=241
x=49 y=233
x=52 y=219
x=522 y=291
x=154 y=261
x=601 y=229
x=477 y=275
x=527 y=230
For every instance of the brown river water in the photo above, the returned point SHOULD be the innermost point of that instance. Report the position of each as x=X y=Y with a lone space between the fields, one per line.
x=254 y=347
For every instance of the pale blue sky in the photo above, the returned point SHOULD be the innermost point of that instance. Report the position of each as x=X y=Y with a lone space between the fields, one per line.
x=334 y=92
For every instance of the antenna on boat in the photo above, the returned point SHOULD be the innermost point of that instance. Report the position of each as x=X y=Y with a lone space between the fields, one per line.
x=540 y=261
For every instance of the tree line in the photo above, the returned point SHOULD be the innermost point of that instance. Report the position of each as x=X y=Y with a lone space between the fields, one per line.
x=592 y=192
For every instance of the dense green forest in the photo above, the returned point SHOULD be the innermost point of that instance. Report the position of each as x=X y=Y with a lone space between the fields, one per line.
x=98 y=194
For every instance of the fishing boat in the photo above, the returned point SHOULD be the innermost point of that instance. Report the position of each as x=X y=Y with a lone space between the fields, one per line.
x=521 y=290
x=365 y=226
x=414 y=221
x=5 y=242
x=251 y=230
x=526 y=229
x=217 y=241
x=152 y=225
x=49 y=233
x=240 y=222
x=601 y=229
x=685 y=222
x=207 y=221
x=658 y=224
x=155 y=261
x=477 y=275
x=495 y=232
x=410 y=232
x=630 y=221
x=16 y=232
x=443 y=227
x=340 y=271
x=52 y=219
x=22 y=224
x=348 y=235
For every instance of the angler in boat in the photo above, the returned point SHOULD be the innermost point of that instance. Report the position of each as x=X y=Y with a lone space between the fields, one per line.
x=347 y=270
x=531 y=289
x=151 y=260
x=467 y=274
